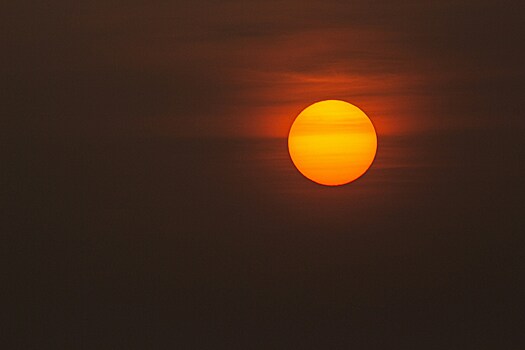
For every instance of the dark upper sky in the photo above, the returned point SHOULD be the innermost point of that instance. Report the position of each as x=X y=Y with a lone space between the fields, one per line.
x=246 y=68
x=151 y=202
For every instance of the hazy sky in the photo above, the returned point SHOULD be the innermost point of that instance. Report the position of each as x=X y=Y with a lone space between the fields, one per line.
x=150 y=201
x=246 y=68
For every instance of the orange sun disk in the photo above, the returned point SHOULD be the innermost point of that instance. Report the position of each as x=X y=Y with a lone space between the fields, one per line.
x=332 y=142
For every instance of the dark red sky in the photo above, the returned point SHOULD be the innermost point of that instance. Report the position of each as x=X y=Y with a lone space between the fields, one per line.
x=246 y=68
x=150 y=201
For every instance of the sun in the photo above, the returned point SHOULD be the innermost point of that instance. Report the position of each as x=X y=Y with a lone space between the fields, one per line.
x=332 y=142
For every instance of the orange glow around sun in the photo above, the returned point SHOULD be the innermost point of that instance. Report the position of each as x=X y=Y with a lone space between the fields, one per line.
x=332 y=142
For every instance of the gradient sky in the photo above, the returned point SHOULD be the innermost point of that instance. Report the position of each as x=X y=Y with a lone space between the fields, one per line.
x=151 y=201
x=246 y=68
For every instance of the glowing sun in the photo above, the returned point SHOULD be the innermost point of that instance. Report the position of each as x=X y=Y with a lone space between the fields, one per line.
x=332 y=142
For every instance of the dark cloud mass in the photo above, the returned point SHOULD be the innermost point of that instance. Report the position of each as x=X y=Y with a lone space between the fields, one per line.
x=149 y=200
